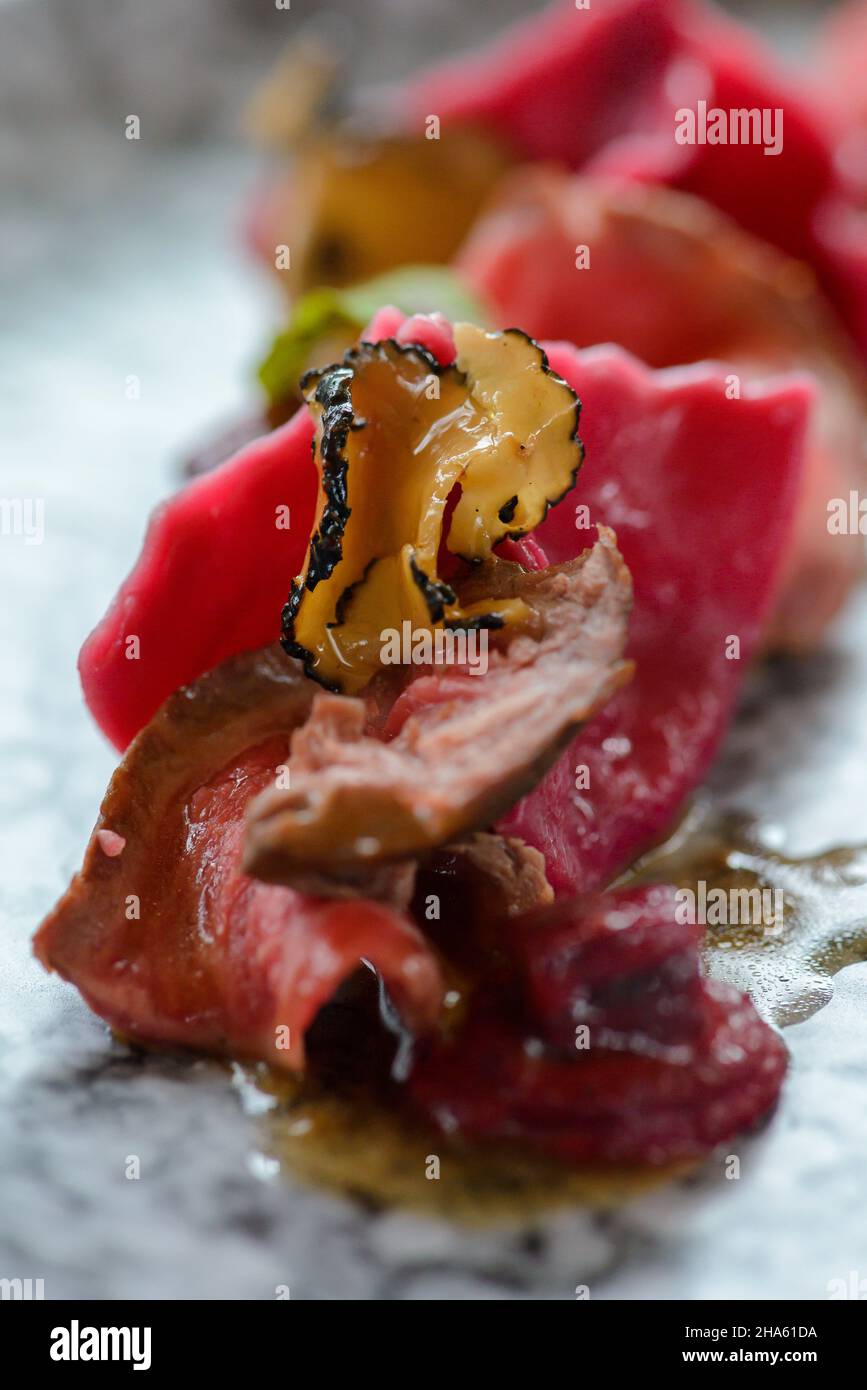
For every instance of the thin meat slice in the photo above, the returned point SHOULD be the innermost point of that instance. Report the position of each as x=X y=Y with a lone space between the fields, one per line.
x=702 y=495
x=613 y=1107
x=674 y=281
x=477 y=746
x=621 y=965
x=602 y=1041
x=605 y=89
x=210 y=581
x=167 y=939
x=558 y=86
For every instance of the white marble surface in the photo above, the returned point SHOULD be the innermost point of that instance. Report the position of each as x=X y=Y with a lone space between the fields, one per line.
x=141 y=276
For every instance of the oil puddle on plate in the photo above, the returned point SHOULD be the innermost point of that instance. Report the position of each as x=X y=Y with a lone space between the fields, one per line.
x=779 y=928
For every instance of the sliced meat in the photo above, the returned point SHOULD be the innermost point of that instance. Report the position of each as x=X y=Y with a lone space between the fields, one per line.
x=210 y=581
x=355 y=801
x=166 y=937
x=674 y=281
x=702 y=497
x=603 y=1043
x=558 y=86
x=621 y=965
x=602 y=89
